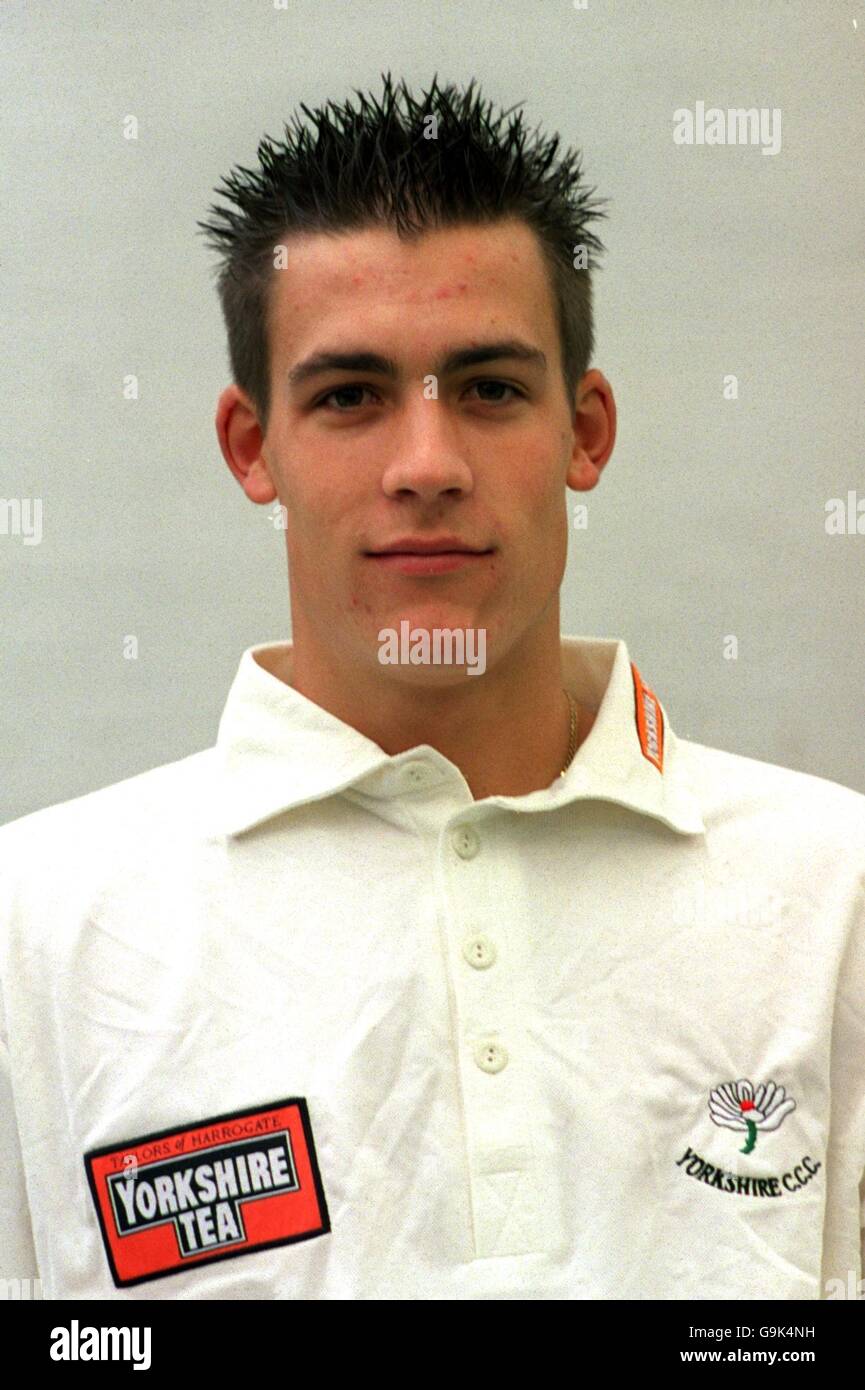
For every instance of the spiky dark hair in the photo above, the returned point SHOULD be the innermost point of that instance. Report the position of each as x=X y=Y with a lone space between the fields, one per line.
x=376 y=165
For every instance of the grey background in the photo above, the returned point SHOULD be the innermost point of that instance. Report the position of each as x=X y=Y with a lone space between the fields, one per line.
x=710 y=516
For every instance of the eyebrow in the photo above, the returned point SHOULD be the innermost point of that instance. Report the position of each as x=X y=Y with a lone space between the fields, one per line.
x=453 y=361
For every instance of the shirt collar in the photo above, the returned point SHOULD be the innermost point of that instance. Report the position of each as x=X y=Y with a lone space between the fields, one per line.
x=276 y=749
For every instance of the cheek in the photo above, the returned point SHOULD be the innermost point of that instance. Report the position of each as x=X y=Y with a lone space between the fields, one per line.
x=322 y=523
x=303 y=495
x=539 y=490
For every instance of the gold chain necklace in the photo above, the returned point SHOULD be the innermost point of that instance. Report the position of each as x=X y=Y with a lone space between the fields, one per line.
x=572 y=741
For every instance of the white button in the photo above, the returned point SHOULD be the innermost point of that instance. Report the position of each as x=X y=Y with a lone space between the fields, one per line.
x=417 y=774
x=465 y=841
x=491 y=1056
x=479 y=951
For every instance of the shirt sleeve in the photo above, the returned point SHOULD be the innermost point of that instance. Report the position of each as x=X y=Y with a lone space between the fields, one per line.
x=17 y=1254
x=849 y=1092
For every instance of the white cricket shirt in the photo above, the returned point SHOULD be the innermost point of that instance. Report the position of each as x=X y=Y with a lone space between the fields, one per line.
x=291 y=1018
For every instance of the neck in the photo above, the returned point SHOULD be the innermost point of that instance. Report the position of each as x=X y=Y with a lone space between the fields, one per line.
x=508 y=731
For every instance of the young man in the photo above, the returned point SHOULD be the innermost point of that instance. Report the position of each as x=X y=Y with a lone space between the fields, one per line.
x=450 y=972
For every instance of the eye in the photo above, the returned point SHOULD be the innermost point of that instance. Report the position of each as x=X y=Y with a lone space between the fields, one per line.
x=349 y=389
x=498 y=400
x=356 y=388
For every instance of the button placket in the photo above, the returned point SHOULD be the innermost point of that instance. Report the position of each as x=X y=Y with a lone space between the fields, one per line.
x=504 y=1179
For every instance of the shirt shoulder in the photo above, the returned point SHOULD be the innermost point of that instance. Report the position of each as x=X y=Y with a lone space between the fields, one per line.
x=136 y=820
x=769 y=799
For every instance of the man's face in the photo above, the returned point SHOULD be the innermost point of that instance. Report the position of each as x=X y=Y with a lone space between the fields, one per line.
x=361 y=458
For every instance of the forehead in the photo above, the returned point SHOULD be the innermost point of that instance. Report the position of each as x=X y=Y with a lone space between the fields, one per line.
x=493 y=275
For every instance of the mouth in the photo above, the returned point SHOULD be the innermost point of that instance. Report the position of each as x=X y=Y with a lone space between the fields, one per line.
x=428 y=555
x=427 y=561
x=429 y=545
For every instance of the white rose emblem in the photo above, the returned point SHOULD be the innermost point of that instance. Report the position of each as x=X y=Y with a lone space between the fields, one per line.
x=736 y=1105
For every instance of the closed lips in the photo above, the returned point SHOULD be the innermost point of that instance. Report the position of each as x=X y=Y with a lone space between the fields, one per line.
x=420 y=547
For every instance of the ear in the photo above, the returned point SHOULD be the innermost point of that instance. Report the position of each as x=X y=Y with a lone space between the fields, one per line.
x=241 y=441
x=594 y=428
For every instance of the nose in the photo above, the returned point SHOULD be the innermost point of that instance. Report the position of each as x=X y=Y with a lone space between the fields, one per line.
x=428 y=458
